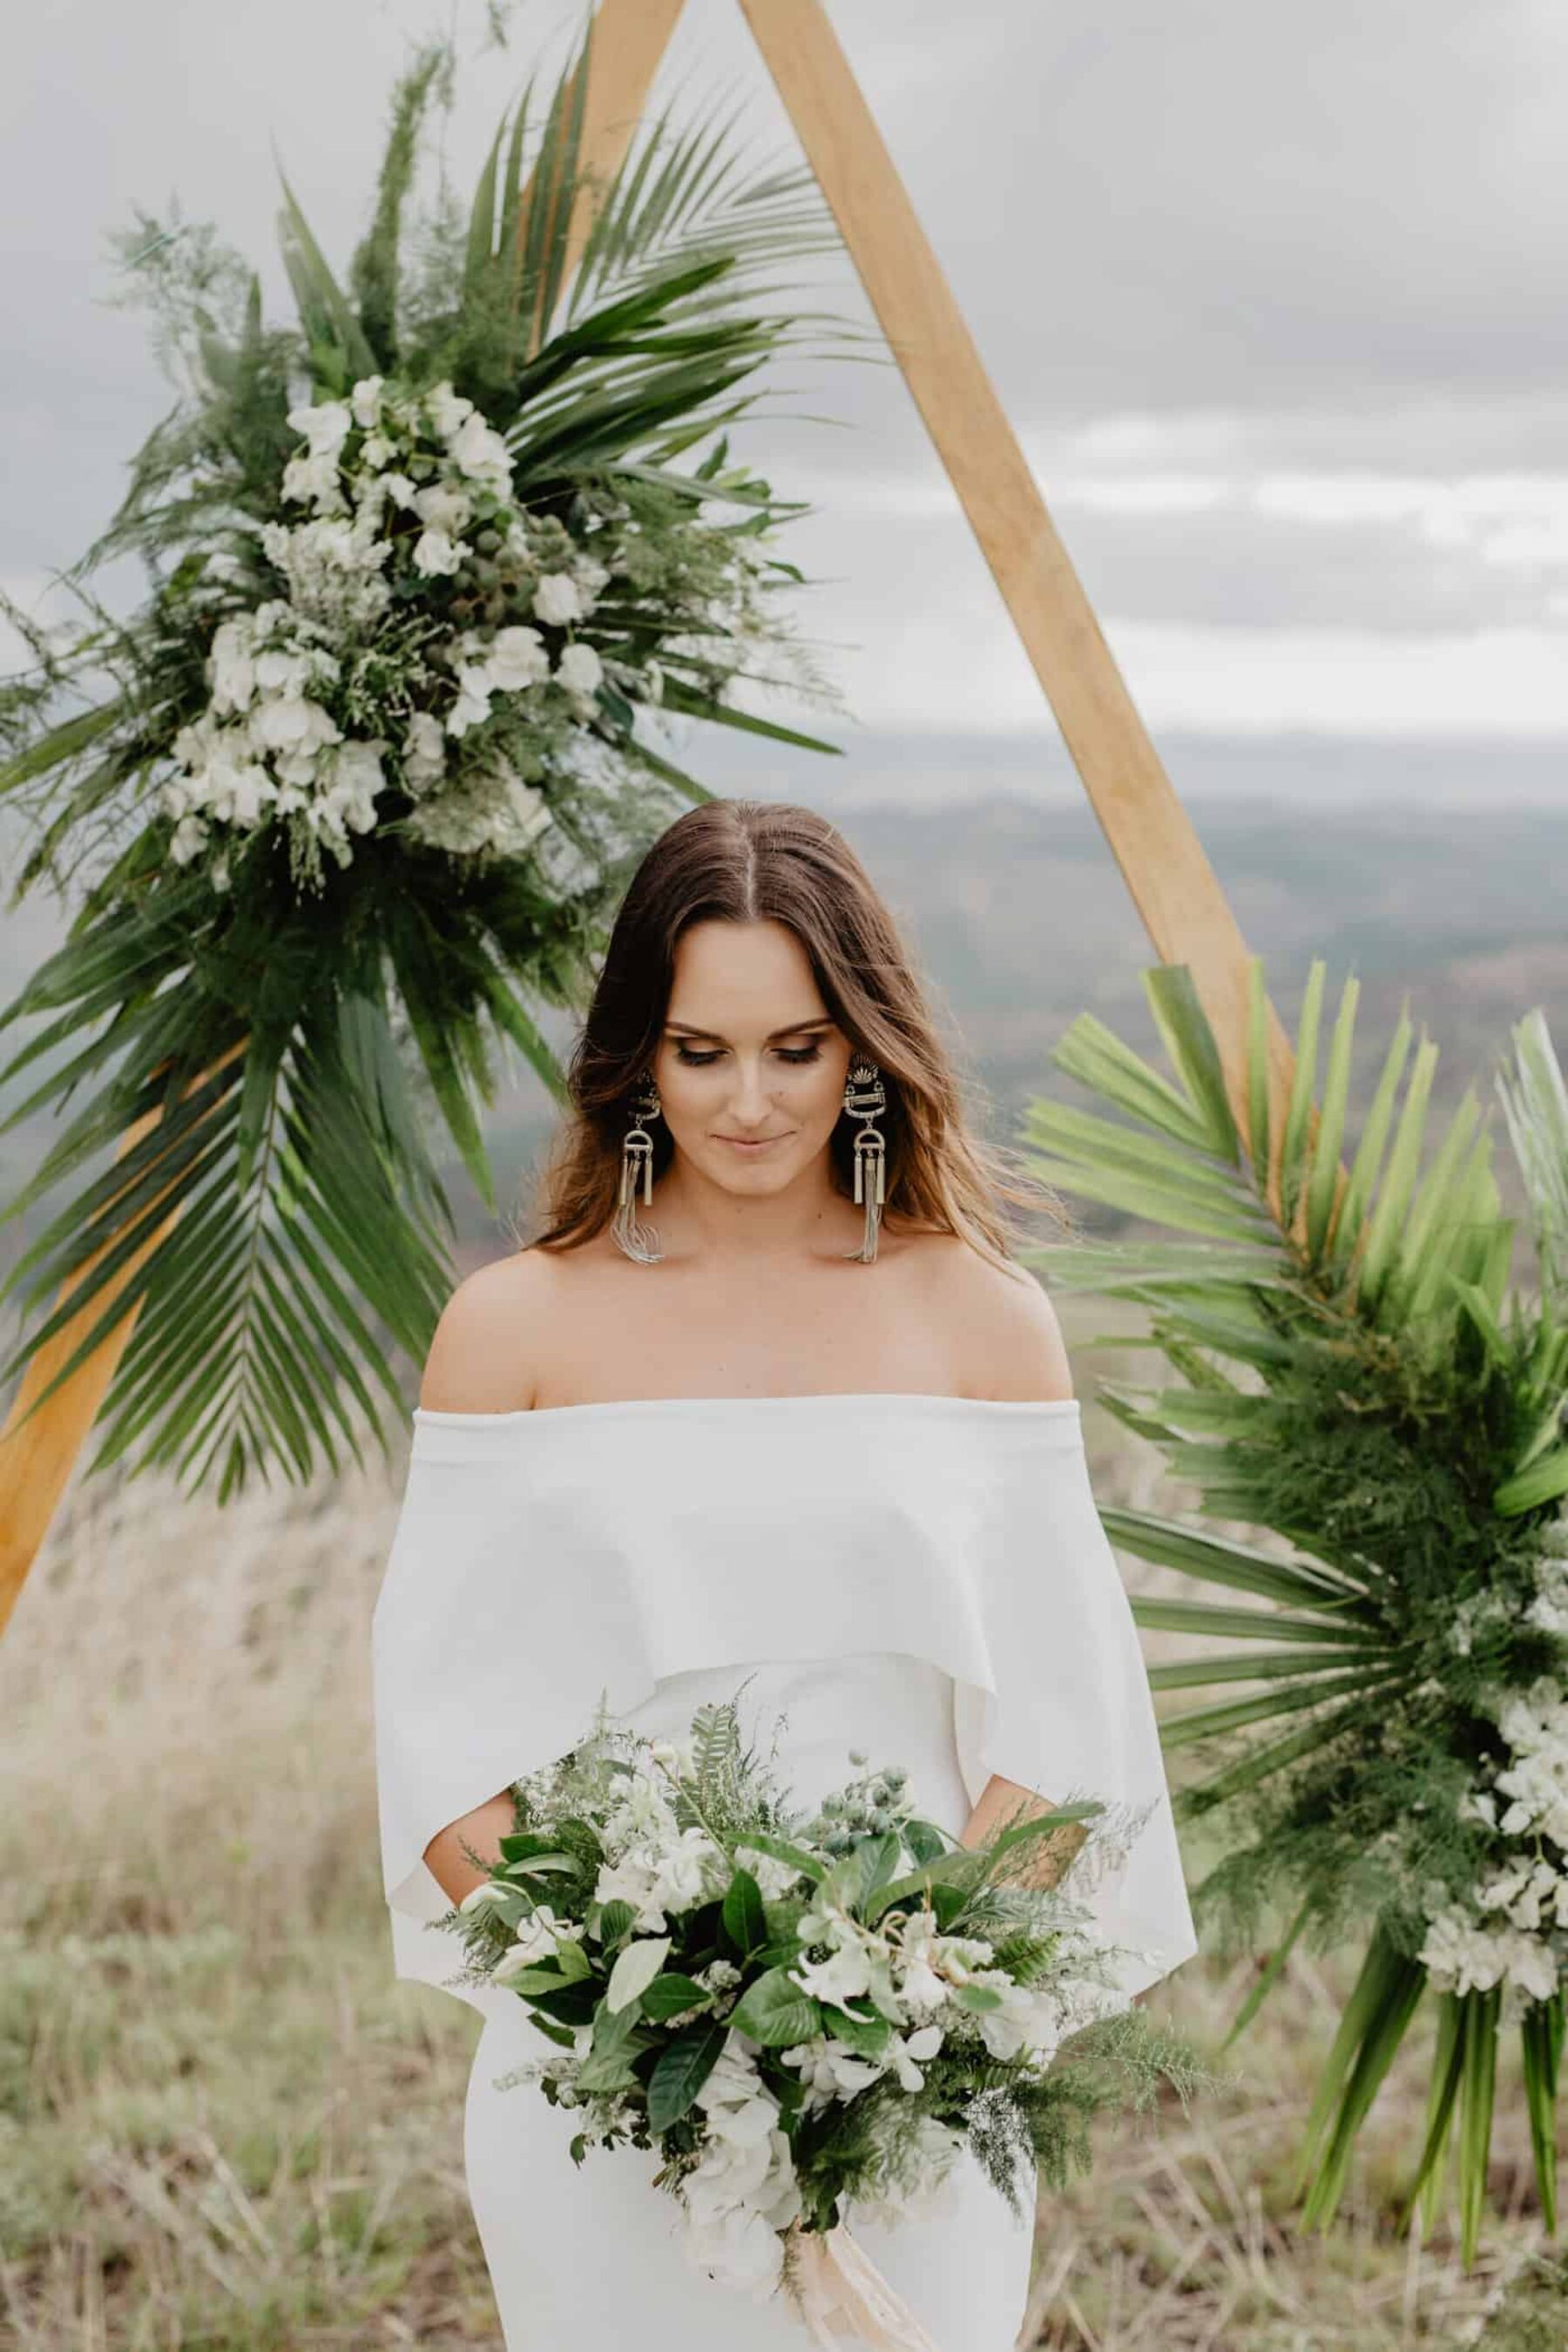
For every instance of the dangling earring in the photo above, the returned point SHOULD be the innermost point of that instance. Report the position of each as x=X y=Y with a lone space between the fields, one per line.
x=864 y=1098
x=639 y=1241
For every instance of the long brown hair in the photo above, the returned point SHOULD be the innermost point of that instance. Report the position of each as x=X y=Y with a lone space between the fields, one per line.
x=740 y=861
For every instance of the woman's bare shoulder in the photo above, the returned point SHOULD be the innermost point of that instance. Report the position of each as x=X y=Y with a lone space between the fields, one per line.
x=1001 y=1326
x=495 y=1330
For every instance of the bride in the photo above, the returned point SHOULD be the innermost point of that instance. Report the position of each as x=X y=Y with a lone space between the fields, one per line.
x=765 y=1402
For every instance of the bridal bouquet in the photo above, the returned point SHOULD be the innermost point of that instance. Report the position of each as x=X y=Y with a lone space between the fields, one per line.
x=800 y=2013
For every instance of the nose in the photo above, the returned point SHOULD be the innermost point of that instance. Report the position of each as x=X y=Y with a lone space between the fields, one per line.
x=749 y=1104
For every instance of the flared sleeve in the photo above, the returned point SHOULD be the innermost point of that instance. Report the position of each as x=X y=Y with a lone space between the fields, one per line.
x=1066 y=1711
x=548 y=1564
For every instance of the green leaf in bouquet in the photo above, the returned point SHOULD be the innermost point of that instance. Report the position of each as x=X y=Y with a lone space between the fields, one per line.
x=778 y=1952
x=866 y=2036
x=745 y=1921
x=526 y=1845
x=980 y=1997
x=570 y=2002
x=925 y=1841
x=573 y=1960
x=635 y=1971
x=781 y=1849
x=562 y=2035
x=617 y=2039
x=774 y=2011
x=539 y=1866
x=542 y=1978
x=671 y=1992
x=681 y=2070
x=611 y=1922
x=877 y=1860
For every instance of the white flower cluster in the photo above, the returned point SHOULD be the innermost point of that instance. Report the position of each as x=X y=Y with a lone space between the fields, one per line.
x=405 y=491
x=741 y=2191
x=1512 y=1931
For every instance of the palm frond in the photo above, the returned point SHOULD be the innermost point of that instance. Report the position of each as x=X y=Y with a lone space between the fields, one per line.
x=1355 y=1378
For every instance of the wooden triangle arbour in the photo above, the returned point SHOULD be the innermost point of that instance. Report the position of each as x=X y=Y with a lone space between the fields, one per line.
x=1175 y=889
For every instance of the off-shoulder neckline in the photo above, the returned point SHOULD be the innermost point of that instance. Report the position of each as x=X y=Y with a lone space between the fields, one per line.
x=437 y=1417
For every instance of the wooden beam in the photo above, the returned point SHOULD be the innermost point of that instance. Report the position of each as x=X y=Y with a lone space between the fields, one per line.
x=1173 y=886
x=38 y=1449
x=627 y=45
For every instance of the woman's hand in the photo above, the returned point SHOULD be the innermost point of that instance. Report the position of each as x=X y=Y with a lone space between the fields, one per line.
x=1041 y=1860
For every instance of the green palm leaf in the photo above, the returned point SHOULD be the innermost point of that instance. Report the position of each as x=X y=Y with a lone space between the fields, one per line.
x=1355 y=1381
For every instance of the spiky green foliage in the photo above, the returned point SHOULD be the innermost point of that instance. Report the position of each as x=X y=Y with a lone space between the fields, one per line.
x=264 y=1055
x=1373 y=1406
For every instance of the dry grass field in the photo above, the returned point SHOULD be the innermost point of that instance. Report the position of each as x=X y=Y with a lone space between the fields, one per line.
x=223 y=2128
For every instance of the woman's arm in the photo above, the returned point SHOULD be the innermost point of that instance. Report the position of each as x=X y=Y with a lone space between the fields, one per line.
x=483 y=1829
x=482 y=1358
x=1041 y=1861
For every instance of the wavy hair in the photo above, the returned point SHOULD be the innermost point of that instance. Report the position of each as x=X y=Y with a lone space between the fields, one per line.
x=739 y=861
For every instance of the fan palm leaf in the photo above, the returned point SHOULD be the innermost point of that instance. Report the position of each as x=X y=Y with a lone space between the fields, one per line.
x=1343 y=1337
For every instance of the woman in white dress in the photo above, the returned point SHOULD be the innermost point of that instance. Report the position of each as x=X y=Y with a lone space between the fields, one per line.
x=737 y=1414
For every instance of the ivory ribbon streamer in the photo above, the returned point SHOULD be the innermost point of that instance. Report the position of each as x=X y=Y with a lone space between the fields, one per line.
x=838 y=2291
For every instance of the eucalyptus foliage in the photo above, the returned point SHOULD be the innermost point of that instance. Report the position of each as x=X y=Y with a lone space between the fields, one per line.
x=1371 y=1402
x=346 y=801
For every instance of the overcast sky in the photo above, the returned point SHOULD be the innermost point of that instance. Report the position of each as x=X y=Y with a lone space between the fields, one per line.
x=1277 y=299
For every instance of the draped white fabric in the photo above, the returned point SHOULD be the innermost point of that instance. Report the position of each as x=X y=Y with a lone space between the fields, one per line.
x=545 y=1562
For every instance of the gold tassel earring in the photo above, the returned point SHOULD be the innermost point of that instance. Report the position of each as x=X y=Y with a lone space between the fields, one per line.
x=630 y=1233
x=864 y=1098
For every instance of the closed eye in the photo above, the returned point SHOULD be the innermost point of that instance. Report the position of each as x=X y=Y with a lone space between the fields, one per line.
x=797 y=1053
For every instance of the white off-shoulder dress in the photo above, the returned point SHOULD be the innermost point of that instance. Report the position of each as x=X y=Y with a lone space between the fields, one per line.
x=920 y=1575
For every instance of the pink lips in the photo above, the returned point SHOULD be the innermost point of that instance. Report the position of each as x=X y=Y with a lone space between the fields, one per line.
x=750 y=1142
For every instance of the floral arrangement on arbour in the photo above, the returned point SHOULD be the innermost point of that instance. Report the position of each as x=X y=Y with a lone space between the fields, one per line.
x=435 y=573
x=1364 y=1384
x=807 y=2014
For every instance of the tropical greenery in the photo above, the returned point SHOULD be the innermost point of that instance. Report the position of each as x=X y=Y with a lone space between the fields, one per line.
x=1370 y=1395
x=347 y=799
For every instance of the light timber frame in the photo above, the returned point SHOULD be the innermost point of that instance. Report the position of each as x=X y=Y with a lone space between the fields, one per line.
x=1175 y=888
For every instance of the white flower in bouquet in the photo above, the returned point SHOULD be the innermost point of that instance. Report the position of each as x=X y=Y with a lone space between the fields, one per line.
x=1029 y=2019
x=232 y=668
x=742 y=2191
x=1461 y=1955
x=437 y=554
x=472 y=707
x=480 y=452
x=578 y=669
x=447 y=410
x=293 y=723
x=843 y=1977
x=491 y=811
x=364 y=400
x=537 y=1937
x=775 y=1878
x=517 y=660
x=424 y=752
x=188 y=840
x=348 y=804
x=592 y=578
x=557 y=600
x=446 y=507
x=687 y=1874
x=323 y=425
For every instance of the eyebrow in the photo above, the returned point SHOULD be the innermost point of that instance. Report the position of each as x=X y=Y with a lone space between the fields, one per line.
x=791 y=1029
